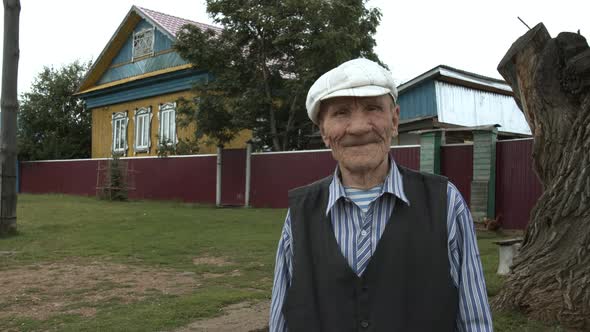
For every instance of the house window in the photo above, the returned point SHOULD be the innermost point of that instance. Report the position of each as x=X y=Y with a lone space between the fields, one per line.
x=143 y=43
x=119 y=133
x=167 y=117
x=143 y=117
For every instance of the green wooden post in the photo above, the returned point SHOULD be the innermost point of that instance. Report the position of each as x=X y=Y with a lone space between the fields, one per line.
x=430 y=151
x=483 y=186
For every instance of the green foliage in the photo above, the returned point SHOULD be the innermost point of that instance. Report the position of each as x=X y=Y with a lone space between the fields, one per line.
x=165 y=149
x=217 y=124
x=265 y=59
x=52 y=122
x=184 y=146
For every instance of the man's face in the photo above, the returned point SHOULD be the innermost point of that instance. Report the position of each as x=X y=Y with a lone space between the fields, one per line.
x=359 y=130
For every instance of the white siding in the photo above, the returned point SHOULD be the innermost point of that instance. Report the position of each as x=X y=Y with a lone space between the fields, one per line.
x=469 y=107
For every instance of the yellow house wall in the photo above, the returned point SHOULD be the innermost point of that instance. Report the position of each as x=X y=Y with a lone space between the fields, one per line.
x=102 y=129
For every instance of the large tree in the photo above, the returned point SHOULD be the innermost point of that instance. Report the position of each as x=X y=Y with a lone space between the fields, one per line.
x=550 y=78
x=264 y=60
x=52 y=122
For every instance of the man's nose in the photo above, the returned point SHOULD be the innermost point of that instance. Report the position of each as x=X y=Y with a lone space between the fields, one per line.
x=359 y=122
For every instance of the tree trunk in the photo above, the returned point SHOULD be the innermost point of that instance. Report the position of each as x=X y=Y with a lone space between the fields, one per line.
x=276 y=144
x=266 y=76
x=9 y=105
x=550 y=277
x=288 y=127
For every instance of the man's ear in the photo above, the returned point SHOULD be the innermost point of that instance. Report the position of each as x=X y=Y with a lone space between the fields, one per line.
x=324 y=137
x=321 y=126
x=395 y=119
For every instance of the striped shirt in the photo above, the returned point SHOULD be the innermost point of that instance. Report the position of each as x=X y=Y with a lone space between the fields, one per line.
x=350 y=226
x=363 y=198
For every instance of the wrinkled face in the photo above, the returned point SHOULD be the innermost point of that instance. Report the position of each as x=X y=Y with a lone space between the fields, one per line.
x=359 y=130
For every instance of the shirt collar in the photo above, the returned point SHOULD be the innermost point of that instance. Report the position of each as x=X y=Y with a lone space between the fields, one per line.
x=393 y=184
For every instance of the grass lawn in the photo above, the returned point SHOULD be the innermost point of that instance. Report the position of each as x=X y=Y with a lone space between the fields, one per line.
x=83 y=264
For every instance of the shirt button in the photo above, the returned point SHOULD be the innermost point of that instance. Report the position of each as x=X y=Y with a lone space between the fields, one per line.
x=364 y=324
x=364 y=233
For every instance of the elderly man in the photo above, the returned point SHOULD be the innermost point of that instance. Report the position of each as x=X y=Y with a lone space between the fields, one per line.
x=375 y=247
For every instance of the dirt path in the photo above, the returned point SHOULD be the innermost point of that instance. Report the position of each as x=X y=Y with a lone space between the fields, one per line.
x=42 y=290
x=240 y=317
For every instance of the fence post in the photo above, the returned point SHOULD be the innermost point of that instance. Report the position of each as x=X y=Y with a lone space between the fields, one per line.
x=483 y=186
x=430 y=151
x=248 y=173
x=218 y=181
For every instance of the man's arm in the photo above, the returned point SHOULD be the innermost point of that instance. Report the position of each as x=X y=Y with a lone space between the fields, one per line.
x=466 y=269
x=282 y=279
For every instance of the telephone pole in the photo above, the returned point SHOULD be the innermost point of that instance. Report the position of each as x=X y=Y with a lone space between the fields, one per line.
x=9 y=107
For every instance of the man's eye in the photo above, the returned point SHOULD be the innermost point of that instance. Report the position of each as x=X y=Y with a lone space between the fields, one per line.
x=373 y=108
x=339 y=113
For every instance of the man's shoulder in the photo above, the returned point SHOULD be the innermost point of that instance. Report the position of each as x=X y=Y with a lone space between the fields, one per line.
x=312 y=187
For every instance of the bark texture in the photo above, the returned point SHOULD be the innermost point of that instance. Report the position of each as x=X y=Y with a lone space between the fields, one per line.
x=550 y=277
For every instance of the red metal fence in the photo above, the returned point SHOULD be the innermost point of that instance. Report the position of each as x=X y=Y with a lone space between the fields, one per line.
x=74 y=177
x=233 y=182
x=193 y=178
x=407 y=156
x=189 y=179
x=177 y=178
x=517 y=185
x=274 y=174
x=457 y=164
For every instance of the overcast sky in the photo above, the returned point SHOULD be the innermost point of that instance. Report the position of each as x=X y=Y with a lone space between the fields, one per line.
x=413 y=37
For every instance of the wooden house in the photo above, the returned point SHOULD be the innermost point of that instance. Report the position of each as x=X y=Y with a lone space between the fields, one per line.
x=133 y=86
x=455 y=101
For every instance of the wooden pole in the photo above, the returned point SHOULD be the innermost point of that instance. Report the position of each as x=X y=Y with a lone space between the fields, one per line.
x=9 y=106
x=248 y=173
x=218 y=181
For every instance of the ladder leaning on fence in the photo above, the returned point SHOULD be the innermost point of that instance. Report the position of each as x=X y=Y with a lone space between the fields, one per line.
x=115 y=178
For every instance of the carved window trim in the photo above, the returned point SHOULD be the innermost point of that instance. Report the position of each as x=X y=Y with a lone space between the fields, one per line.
x=143 y=43
x=167 y=126
x=119 y=124
x=143 y=124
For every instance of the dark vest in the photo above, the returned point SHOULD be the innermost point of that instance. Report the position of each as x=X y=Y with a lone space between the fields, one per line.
x=406 y=286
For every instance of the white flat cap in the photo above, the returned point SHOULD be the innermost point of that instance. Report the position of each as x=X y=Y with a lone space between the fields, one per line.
x=354 y=78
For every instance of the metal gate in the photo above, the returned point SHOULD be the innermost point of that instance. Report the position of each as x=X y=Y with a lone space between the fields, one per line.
x=233 y=177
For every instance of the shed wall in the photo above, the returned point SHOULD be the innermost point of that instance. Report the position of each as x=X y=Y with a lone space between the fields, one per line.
x=420 y=101
x=468 y=107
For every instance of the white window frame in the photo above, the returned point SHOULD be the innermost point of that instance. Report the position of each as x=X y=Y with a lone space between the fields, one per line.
x=137 y=39
x=143 y=125
x=167 y=128
x=119 y=124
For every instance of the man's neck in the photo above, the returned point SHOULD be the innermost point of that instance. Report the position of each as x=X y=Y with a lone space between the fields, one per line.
x=366 y=179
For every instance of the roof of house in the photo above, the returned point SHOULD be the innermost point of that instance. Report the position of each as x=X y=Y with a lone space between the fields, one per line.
x=459 y=77
x=172 y=24
x=167 y=24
